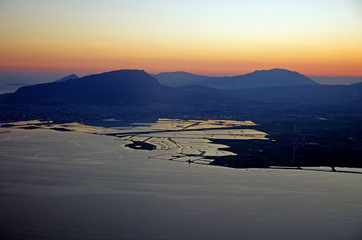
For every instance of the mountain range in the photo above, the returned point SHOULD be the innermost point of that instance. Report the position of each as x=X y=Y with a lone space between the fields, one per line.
x=137 y=91
x=264 y=78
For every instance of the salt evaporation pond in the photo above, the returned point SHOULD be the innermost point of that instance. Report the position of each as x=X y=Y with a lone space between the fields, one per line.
x=69 y=185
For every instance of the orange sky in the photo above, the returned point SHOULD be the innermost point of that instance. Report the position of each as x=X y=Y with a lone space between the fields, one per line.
x=206 y=37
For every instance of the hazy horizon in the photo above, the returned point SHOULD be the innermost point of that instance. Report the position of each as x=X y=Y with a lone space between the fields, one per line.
x=85 y=73
x=11 y=81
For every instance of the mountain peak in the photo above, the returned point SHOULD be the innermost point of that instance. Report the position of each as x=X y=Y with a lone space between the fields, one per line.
x=69 y=77
x=121 y=74
x=125 y=71
x=275 y=70
x=115 y=87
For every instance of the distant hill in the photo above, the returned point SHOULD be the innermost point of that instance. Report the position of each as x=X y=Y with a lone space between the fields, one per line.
x=336 y=80
x=66 y=78
x=117 y=87
x=257 y=79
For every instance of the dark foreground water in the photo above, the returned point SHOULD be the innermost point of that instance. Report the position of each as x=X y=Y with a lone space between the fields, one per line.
x=66 y=185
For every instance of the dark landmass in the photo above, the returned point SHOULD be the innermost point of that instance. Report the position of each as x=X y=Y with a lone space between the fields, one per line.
x=306 y=143
x=257 y=79
x=112 y=88
x=321 y=124
x=134 y=94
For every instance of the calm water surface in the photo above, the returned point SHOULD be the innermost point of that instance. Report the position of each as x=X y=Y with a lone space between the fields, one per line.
x=66 y=185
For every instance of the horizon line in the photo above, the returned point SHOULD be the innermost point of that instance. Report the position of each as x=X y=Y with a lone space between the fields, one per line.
x=201 y=73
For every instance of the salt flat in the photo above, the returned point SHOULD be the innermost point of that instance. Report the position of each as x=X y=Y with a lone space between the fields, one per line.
x=177 y=139
x=68 y=185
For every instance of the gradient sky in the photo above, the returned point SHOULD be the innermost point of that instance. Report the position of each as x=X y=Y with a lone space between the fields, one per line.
x=226 y=37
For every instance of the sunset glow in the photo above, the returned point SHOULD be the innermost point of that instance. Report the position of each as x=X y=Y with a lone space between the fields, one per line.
x=207 y=37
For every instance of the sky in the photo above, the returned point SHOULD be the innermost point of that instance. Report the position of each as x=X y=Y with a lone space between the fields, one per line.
x=211 y=37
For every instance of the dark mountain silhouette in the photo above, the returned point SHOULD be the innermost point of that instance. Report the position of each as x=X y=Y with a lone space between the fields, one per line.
x=257 y=79
x=117 y=87
x=129 y=87
x=66 y=78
